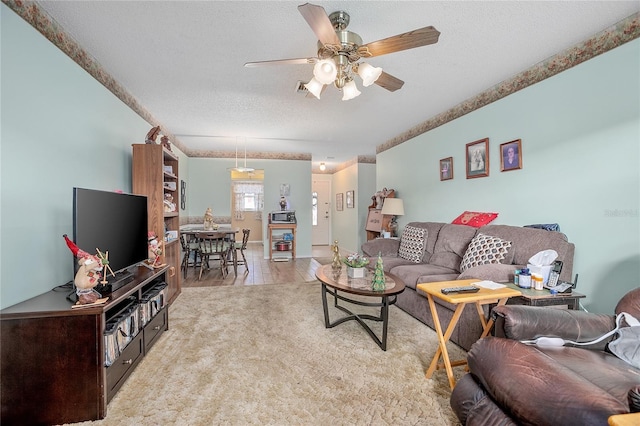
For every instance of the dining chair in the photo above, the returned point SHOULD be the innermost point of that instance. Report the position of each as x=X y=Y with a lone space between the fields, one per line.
x=213 y=246
x=241 y=246
x=190 y=245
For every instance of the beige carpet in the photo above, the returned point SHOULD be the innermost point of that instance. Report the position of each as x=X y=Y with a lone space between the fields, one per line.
x=261 y=355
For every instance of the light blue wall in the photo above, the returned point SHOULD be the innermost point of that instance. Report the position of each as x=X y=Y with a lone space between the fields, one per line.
x=345 y=226
x=366 y=189
x=348 y=225
x=59 y=129
x=209 y=185
x=580 y=134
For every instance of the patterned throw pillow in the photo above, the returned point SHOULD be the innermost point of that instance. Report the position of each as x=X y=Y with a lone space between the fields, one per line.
x=484 y=249
x=475 y=219
x=412 y=244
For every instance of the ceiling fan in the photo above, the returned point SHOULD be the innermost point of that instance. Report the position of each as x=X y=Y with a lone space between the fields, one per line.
x=340 y=51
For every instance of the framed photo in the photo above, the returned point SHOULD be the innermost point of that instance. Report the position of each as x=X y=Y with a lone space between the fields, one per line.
x=339 y=198
x=374 y=220
x=183 y=195
x=477 y=155
x=511 y=155
x=284 y=190
x=446 y=168
x=350 y=199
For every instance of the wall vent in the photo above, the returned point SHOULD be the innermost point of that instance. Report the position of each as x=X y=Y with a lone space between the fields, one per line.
x=300 y=88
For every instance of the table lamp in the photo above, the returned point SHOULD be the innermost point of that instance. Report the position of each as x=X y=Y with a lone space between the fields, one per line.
x=393 y=207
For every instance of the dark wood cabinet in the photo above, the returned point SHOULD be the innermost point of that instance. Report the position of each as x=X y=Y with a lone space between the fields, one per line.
x=52 y=357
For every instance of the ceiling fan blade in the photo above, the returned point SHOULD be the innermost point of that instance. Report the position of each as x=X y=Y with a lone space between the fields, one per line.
x=319 y=22
x=404 y=41
x=389 y=82
x=297 y=61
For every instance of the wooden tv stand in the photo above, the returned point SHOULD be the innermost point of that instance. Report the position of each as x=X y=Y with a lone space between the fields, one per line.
x=53 y=357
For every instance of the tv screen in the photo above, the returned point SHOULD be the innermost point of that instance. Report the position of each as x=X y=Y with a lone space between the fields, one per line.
x=111 y=222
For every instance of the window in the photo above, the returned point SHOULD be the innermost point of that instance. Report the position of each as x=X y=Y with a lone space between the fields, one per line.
x=314 y=208
x=248 y=197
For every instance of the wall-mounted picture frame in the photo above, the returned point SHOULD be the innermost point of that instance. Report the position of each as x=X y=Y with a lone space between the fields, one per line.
x=339 y=200
x=350 y=199
x=511 y=155
x=446 y=168
x=285 y=190
x=183 y=195
x=477 y=157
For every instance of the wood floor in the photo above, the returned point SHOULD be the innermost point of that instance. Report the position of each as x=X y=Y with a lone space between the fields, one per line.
x=261 y=271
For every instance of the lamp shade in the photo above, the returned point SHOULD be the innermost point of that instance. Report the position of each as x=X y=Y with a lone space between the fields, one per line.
x=314 y=87
x=350 y=91
x=368 y=73
x=325 y=71
x=393 y=206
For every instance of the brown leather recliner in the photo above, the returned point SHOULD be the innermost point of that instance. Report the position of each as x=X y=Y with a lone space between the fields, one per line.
x=511 y=383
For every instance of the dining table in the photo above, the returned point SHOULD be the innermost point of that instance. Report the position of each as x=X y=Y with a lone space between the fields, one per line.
x=226 y=232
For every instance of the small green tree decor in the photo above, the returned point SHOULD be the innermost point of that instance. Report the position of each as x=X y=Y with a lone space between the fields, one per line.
x=378 y=282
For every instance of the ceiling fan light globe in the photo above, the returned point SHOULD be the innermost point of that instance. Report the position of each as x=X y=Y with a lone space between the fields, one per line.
x=350 y=91
x=325 y=71
x=368 y=73
x=314 y=87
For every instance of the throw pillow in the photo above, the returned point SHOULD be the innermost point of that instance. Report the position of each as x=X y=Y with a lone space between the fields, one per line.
x=475 y=219
x=484 y=249
x=412 y=244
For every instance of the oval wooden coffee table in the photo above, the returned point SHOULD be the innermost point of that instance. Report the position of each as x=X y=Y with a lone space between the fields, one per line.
x=335 y=281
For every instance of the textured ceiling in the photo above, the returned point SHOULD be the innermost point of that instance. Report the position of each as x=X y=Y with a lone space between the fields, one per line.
x=183 y=62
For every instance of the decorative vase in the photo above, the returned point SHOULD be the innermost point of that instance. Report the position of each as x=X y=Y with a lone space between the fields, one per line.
x=355 y=272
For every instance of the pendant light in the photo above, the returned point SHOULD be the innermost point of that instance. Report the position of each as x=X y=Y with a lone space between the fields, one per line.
x=244 y=169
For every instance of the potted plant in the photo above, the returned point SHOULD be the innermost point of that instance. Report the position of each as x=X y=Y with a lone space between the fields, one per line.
x=355 y=265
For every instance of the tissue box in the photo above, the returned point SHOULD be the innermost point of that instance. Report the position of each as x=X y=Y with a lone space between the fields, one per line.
x=541 y=270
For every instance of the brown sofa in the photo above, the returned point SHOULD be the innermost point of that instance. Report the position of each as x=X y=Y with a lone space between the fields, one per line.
x=512 y=383
x=443 y=252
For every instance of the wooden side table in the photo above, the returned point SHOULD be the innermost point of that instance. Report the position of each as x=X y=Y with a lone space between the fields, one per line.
x=282 y=226
x=545 y=298
x=482 y=297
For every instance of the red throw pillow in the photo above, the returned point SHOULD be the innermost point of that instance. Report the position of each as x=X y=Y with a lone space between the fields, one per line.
x=475 y=219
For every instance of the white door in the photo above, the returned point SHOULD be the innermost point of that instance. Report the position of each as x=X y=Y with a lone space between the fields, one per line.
x=320 y=211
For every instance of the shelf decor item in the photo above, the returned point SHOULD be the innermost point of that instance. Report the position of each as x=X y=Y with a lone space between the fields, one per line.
x=356 y=265
x=378 y=282
x=335 y=263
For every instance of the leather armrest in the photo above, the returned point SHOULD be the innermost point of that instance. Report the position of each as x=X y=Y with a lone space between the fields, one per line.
x=521 y=322
x=383 y=246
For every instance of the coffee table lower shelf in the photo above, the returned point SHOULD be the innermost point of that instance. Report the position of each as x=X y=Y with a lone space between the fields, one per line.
x=384 y=314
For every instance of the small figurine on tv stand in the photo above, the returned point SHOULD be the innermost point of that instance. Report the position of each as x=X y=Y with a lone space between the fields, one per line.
x=155 y=251
x=88 y=274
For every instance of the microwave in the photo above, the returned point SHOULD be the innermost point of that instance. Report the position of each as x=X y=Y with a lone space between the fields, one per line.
x=283 y=216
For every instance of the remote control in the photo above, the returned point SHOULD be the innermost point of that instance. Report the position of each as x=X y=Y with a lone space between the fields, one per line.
x=467 y=289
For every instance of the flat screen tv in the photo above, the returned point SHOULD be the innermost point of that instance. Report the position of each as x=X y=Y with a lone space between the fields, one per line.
x=112 y=222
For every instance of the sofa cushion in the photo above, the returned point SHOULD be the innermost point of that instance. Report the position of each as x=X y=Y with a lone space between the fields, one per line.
x=485 y=249
x=475 y=219
x=414 y=273
x=433 y=229
x=388 y=262
x=412 y=244
x=528 y=241
x=451 y=245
